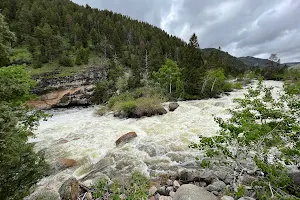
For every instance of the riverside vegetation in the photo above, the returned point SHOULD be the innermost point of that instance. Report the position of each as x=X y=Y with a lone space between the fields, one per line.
x=145 y=66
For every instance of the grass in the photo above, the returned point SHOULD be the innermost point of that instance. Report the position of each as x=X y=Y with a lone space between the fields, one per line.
x=61 y=71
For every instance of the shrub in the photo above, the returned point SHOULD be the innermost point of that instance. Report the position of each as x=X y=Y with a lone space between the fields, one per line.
x=66 y=61
x=137 y=188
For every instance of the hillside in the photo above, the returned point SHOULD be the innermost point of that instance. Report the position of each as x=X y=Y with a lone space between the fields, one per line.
x=252 y=61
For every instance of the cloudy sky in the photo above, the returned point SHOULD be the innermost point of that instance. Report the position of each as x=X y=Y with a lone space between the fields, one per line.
x=241 y=27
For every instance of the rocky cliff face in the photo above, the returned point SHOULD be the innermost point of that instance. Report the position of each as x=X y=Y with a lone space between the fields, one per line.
x=75 y=90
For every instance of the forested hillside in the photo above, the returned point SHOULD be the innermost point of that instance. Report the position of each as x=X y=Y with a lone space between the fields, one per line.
x=58 y=35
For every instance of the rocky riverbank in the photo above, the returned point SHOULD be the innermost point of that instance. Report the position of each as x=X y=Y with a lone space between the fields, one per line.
x=75 y=90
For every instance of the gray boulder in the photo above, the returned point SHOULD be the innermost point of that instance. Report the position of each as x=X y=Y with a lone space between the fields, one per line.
x=69 y=190
x=294 y=173
x=173 y=106
x=192 y=192
x=216 y=186
x=227 y=198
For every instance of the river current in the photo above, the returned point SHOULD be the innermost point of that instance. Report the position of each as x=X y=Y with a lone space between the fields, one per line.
x=161 y=145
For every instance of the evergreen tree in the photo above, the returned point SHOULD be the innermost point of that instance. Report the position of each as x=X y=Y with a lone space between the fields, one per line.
x=6 y=38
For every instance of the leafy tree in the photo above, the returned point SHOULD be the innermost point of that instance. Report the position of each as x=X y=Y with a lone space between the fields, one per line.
x=262 y=132
x=169 y=75
x=20 y=166
x=6 y=38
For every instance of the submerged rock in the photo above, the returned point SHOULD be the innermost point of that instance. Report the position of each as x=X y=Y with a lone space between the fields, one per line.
x=66 y=163
x=126 y=138
x=69 y=190
x=193 y=192
x=173 y=106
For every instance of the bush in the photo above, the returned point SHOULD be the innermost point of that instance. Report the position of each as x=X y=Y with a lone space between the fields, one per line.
x=103 y=91
x=66 y=61
x=137 y=188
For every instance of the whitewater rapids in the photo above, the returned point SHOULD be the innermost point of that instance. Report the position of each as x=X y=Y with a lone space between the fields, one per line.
x=161 y=146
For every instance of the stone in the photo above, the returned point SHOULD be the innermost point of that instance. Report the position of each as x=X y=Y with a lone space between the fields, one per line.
x=216 y=186
x=162 y=191
x=44 y=194
x=66 y=163
x=202 y=184
x=247 y=179
x=294 y=173
x=173 y=106
x=89 y=196
x=227 y=198
x=221 y=175
x=172 y=194
x=207 y=176
x=152 y=190
x=152 y=198
x=176 y=185
x=157 y=196
x=165 y=198
x=246 y=198
x=169 y=189
x=126 y=138
x=189 y=175
x=192 y=192
x=215 y=193
x=169 y=182
x=69 y=190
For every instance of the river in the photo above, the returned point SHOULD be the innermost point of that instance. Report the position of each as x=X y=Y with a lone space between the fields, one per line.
x=161 y=146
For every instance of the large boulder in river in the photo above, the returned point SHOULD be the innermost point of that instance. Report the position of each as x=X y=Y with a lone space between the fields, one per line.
x=66 y=163
x=193 y=192
x=173 y=106
x=126 y=138
x=70 y=189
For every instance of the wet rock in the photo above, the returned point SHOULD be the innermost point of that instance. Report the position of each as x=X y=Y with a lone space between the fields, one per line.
x=227 y=198
x=172 y=194
x=165 y=198
x=188 y=175
x=169 y=182
x=157 y=196
x=89 y=196
x=246 y=198
x=46 y=194
x=163 y=191
x=159 y=110
x=169 y=189
x=294 y=173
x=193 y=192
x=173 y=106
x=69 y=190
x=216 y=186
x=66 y=163
x=152 y=190
x=176 y=185
x=202 y=184
x=126 y=138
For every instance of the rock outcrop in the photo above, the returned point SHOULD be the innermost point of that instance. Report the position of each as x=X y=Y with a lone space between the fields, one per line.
x=66 y=163
x=75 y=90
x=126 y=138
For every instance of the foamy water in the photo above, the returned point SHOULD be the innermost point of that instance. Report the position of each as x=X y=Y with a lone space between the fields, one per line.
x=161 y=145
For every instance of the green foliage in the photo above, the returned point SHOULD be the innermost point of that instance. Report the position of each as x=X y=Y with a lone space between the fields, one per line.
x=136 y=189
x=15 y=84
x=169 y=76
x=6 y=38
x=140 y=102
x=83 y=55
x=20 y=166
x=240 y=191
x=103 y=91
x=66 y=61
x=258 y=127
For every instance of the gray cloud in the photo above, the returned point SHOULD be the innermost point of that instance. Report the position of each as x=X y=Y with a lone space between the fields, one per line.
x=241 y=27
